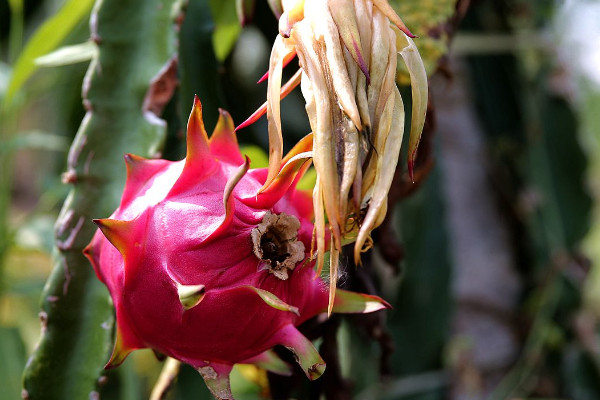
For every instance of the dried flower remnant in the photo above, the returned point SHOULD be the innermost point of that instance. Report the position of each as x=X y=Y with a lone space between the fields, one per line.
x=276 y=245
x=347 y=51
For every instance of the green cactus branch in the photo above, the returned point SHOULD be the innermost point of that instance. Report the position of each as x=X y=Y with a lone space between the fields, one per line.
x=129 y=80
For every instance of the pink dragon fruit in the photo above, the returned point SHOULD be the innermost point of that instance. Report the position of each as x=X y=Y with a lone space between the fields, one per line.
x=206 y=264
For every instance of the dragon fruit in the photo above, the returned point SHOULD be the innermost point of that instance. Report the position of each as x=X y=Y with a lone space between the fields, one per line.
x=208 y=265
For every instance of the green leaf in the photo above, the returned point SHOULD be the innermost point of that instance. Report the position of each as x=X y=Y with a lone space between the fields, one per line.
x=34 y=140
x=227 y=27
x=15 y=37
x=68 y=55
x=46 y=39
x=13 y=360
x=36 y=233
x=558 y=168
x=16 y=6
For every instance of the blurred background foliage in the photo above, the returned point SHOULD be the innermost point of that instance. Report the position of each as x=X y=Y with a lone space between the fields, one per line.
x=497 y=293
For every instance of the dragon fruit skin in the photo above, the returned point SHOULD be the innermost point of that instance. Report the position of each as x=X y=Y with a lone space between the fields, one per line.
x=180 y=262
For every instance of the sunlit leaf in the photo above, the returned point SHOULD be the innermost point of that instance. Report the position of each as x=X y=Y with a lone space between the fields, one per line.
x=227 y=27
x=68 y=55
x=16 y=5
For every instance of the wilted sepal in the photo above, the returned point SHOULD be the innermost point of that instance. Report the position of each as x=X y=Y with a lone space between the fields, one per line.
x=278 y=53
x=271 y=362
x=271 y=194
x=357 y=303
x=389 y=12
x=216 y=377
x=305 y=353
x=344 y=15
x=386 y=167
x=273 y=301
x=190 y=295
x=419 y=89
